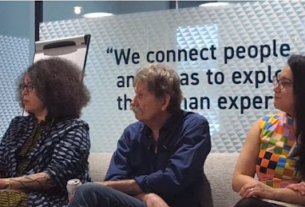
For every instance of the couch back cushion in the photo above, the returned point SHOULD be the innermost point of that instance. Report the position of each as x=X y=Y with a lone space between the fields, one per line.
x=98 y=165
x=218 y=169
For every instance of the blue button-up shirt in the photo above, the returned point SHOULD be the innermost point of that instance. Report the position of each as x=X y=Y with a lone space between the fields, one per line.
x=175 y=171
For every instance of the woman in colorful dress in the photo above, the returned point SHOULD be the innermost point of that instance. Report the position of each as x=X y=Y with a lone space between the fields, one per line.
x=274 y=148
x=39 y=153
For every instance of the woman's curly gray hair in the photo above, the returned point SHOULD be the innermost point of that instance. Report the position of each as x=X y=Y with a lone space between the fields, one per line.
x=58 y=84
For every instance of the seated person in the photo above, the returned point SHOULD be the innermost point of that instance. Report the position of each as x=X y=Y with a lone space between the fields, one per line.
x=159 y=159
x=274 y=147
x=39 y=153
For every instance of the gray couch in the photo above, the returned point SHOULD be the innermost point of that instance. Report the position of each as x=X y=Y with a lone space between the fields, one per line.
x=218 y=169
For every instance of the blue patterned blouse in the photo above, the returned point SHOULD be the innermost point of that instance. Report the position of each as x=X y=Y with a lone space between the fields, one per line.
x=62 y=152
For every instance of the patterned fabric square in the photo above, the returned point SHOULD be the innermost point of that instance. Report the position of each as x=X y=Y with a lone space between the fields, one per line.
x=285 y=152
x=288 y=173
x=268 y=125
x=281 y=162
x=290 y=122
x=271 y=165
x=259 y=161
x=267 y=155
x=290 y=142
x=277 y=137
x=278 y=150
x=266 y=119
x=264 y=146
x=279 y=130
x=273 y=141
x=263 y=170
x=268 y=133
x=279 y=171
x=287 y=132
x=283 y=139
x=286 y=147
x=270 y=172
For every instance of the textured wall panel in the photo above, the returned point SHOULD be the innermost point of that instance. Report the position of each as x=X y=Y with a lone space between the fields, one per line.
x=14 y=58
x=240 y=24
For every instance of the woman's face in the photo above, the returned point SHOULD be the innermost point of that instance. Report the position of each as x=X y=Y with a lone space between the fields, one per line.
x=30 y=100
x=283 y=91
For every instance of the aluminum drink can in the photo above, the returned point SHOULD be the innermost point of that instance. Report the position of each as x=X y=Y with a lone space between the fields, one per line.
x=72 y=186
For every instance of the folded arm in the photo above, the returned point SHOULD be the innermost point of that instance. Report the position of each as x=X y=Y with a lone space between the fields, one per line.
x=39 y=181
x=68 y=160
x=128 y=186
x=245 y=166
x=261 y=190
x=289 y=196
x=152 y=200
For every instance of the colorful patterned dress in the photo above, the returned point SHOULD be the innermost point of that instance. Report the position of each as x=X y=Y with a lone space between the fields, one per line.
x=274 y=165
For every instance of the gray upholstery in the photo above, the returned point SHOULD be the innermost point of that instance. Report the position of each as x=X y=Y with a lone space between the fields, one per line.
x=218 y=169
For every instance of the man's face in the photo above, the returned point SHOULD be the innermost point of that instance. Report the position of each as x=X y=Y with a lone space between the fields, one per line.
x=145 y=105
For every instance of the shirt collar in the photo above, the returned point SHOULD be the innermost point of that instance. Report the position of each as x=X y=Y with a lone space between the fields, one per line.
x=170 y=122
x=168 y=125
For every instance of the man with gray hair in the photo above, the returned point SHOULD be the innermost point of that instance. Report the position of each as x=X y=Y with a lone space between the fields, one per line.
x=159 y=159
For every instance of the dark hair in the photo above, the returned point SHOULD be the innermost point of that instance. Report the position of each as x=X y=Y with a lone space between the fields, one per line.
x=162 y=80
x=58 y=84
x=297 y=66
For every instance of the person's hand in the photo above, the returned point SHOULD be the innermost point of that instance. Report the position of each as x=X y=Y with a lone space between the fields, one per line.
x=152 y=200
x=299 y=187
x=256 y=189
x=70 y=197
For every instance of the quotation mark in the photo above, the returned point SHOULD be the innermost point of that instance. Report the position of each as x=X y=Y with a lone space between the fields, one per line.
x=109 y=50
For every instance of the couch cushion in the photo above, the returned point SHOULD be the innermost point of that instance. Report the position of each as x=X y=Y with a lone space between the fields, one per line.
x=218 y=169
x=98 y=165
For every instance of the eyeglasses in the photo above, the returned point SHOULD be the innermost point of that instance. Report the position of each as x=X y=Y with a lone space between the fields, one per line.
x=29 y=87
x=282 y=83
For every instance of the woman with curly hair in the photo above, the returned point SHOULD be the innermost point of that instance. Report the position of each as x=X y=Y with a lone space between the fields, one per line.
x=39 y=153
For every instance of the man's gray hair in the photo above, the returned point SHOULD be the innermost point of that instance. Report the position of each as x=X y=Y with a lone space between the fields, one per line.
x=162 y=80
